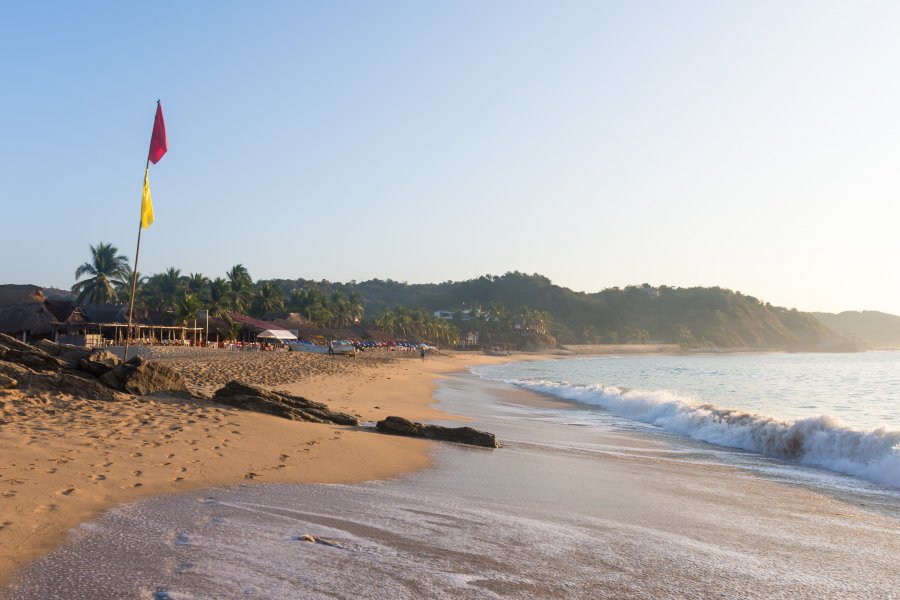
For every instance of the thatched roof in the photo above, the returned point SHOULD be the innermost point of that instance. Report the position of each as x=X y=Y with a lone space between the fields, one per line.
x=11 y=294
x=31 y=317
x=65 y=311
x=105 y=313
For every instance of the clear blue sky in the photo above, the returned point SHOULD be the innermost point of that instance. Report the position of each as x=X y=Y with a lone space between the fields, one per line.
x=752 y=145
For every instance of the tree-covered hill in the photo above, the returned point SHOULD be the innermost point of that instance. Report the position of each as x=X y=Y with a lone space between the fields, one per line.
x=877 y=329
x=689 y=316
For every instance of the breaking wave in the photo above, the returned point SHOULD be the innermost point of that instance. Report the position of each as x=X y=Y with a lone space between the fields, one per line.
x=821 y=441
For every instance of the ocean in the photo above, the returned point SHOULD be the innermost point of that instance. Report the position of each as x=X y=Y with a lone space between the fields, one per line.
x=838 y=412
x=618 y=478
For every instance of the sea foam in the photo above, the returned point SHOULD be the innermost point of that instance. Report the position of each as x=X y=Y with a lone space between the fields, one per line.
x=820 y=441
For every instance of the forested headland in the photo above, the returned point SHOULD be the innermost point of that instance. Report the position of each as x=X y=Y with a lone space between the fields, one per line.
x=694 y=317
x=515 y=308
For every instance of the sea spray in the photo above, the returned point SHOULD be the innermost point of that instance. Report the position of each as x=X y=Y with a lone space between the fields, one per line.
x=820 y=441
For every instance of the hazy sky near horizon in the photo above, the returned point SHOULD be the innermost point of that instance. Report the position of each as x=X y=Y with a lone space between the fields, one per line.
x=753 y=145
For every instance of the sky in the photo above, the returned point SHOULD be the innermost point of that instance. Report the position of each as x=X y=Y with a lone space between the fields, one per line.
x=749 y=145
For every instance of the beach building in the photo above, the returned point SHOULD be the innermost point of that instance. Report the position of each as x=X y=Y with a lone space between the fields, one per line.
x=98 y=325
x=28 y=314
x=24 y=313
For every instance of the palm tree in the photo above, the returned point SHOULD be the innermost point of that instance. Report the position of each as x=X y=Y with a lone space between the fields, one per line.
x=123 y=285
x=241 y=287
x=163 y=290
x=269 y=298
x=188 y=307
x=197 y=284
x=219 y=297
x=340 y=310
x=106 y=266
x=357 y=306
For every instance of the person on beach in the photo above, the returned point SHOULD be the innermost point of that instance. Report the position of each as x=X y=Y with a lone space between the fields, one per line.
x=422 y=353
x=331 y=347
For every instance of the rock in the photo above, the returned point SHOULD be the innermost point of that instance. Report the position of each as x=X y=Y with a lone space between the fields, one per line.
x=13 y=344
x=66 y=352
x=99 y=362
x=14 y=371
x=307 y=538
x=460 y=435
x=141 y=377
x=34 y=359
x=248 y=397
x=51 y=348
x=7 y=382
x=67 y=383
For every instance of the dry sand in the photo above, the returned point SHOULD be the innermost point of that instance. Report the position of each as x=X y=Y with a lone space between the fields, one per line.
x=67 y=459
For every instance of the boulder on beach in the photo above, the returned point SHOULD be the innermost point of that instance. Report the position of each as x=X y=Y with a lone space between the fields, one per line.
x=460 y=435
x=7 y=382
x=249 y=397
x=141 y=377
x=69 y=383
x=98 y=362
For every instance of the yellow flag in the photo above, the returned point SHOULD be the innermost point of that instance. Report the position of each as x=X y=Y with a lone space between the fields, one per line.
x=146 y=203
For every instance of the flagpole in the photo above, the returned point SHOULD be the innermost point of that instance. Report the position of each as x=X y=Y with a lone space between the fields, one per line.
x=134 y=272
x=137 y=253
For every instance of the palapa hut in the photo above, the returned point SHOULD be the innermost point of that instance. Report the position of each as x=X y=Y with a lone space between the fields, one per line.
x=23 y=313
x=26 y=321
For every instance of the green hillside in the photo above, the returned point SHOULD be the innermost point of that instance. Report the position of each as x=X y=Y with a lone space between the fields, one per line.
x=693 y=317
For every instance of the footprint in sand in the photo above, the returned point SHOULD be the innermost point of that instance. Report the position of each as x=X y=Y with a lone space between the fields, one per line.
x=5 y=524
x=66 y=491
x=136 y=454
x=137 y=473
x=99 y=477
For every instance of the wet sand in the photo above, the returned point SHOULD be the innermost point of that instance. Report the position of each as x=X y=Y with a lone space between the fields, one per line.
x=67 y=460
x=561 y=511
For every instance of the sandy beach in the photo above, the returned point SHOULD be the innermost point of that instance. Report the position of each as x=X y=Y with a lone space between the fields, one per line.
x=67 y=459
x=562 y=510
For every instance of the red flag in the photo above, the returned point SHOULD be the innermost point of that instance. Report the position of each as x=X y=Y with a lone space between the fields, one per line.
x=158 y=142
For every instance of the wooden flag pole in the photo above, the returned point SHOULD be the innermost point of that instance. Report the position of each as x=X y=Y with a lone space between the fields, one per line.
x=153 y=138
x=134 y=272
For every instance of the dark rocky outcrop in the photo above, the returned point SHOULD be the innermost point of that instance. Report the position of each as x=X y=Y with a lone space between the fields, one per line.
x=13 y=370
x=47 y=366
x=66 y=352
x=99 y=362
x=38 y=361
x=68 y=383
x=7 y=382
x=141 y=377
x=11 y=343
x=460 y=435
x=248 y=397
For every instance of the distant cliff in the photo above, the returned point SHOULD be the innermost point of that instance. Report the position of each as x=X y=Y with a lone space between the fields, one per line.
x=876 y=329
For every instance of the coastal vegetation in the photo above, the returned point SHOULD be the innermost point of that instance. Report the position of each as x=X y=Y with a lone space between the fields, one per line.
x=107 y=269
x=511 y=308
x=693 y=317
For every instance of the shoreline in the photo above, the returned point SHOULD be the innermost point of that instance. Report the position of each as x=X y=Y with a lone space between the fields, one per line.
x=70 y=460
x=562 y=511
